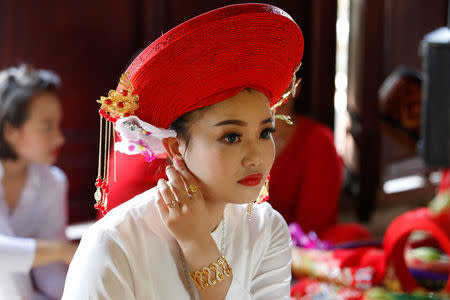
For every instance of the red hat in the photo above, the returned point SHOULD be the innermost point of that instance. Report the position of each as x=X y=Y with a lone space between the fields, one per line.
x=214 y=56
x=201 y=62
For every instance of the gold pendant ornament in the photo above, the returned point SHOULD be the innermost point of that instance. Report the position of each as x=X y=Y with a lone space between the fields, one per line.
x=115 y=106
x=249 y=211
x=262 y=197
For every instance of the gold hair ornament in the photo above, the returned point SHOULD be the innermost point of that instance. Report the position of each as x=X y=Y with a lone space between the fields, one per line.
x=120 y=104
x=284 y=99
x=115 y=106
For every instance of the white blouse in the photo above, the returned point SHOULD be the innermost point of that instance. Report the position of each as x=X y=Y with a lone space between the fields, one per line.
x=130 y=254
x=40 y=214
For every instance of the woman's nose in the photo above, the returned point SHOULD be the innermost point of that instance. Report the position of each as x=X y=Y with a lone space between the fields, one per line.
x=253 y=155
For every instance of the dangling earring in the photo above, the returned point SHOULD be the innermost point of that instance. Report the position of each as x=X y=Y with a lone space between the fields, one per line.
x=249 y=211
x=263 y=197
x=264 y=194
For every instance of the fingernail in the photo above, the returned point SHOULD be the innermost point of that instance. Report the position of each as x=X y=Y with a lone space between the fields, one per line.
x=177 y=160
x=168 y=167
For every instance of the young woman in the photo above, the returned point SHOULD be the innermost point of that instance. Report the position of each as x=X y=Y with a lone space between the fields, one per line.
x=200 y=95
x=32 y=192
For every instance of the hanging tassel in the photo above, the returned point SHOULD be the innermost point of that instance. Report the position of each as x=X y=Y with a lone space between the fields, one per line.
x=116 y=105
x=101 y=193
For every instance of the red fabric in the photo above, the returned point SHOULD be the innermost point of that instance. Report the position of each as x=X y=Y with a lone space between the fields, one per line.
x=360 y=267
x=341 y=233
x=214 y=56
x=360 y=258
x=444 y=185
x=133 y=176
x=396 y=237
x=310 y=289
x=306 y=181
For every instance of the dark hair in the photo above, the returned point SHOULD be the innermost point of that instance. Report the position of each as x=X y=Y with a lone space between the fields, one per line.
x=18 y=85
x=181 y=124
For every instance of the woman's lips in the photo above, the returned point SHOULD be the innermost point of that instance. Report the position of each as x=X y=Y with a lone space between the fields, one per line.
x=251 y=180
x=55 y=151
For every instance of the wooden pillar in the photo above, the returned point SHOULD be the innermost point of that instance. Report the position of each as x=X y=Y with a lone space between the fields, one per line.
x=364 y=78
x=322 y=60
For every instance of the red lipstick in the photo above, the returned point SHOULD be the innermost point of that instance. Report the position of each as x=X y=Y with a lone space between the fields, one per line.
x=251 y=180
x=55 y=151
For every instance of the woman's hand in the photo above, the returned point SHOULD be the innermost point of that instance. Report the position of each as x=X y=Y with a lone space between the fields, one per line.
x=49 y=251
x=182 y=206
x=183 y=210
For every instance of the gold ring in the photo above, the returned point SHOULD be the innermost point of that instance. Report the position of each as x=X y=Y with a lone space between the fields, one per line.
x=193 y=189
x=172 y=204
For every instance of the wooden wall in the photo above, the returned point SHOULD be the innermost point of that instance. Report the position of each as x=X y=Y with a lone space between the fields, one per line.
x=90 y=43
x=383 y=35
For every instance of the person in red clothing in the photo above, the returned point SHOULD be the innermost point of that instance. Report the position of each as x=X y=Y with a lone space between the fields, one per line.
x=307 y=178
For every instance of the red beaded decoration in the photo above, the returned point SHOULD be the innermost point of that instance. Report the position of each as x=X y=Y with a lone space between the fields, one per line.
x=264 y=199
x=114 y=106
x=98 y=182
x=264 y=194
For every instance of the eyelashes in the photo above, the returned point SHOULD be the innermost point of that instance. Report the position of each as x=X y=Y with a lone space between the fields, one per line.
x=231 y=138
x=234 y=137
x=267 y=133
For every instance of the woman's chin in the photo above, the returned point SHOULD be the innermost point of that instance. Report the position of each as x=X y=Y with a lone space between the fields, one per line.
x=48 y=160
x=245 y=198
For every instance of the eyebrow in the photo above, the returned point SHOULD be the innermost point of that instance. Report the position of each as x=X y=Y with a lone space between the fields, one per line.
x=241 y=123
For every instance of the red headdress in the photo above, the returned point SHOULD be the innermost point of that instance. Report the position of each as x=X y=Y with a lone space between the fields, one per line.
x=201 y=62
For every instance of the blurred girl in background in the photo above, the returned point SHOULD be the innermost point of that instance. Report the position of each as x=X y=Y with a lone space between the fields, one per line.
x=33 y=250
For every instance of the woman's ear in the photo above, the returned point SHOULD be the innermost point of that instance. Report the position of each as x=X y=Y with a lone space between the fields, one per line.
x=10 y=133
x=172 y=146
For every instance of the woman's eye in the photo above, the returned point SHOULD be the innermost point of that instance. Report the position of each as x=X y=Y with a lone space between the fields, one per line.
x=232 y=138
x=267 y=133
x=47 y=128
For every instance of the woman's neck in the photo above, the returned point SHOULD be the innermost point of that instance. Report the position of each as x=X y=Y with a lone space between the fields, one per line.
x=215 y=213
x=14 y=168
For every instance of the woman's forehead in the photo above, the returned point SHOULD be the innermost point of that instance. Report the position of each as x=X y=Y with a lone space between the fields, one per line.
x=247 y=105
x=44 y=104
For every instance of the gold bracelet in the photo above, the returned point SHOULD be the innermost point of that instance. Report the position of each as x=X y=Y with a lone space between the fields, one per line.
x=209 y=276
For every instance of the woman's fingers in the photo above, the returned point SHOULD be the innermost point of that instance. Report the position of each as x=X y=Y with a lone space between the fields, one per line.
x=162 y=206
x=189 y=179
x=168 y=196
x=177 y=184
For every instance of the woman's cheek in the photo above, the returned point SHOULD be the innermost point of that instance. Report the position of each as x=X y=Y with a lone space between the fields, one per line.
x=269 y=151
